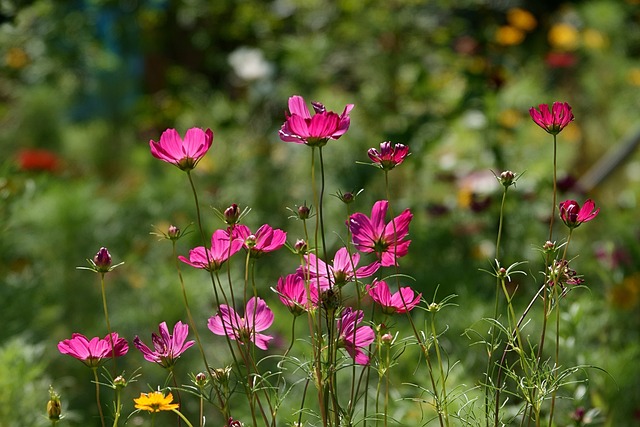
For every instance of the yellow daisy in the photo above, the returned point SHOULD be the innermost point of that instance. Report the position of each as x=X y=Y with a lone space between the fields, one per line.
x=155 y=402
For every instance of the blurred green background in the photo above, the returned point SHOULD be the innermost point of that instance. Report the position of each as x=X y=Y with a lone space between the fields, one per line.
x=85 y=84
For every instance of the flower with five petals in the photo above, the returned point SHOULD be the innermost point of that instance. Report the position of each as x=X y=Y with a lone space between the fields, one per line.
x=371 y=234
x=266 y=239
x=184 y=153
x=167 y=347
x=211 y=259
x=257 y=318
x=573 y=215
x=303 y=128
x=554 y=120
x=94 y=351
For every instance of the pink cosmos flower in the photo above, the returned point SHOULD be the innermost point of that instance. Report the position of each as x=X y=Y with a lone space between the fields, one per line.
x=554 y=120
x=186 y=153
x=353 y=337
x=573 y=215
x=257 y=318
x=167 y=347
x=372 y=235
x=303 y=128
x=266 y=239
x=341 y=272
x=93 y=352
x=400 y=302
x=222 y=248
x=295 y=295
x=389 y=155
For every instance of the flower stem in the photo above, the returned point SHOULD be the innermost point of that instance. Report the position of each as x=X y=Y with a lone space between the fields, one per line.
x=183 y=417
x=95 y=379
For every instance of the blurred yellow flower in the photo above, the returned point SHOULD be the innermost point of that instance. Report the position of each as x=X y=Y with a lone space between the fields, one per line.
x=509 y=118
x=507 y=35
x=564 y=36
x=155 y=402
x=634 y=76
x=594 y=39
x=625 y=295
x=16 y=58
x=521 y=19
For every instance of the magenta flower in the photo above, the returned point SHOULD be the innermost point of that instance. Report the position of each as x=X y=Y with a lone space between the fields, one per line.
x=341 y=272
x=400 y=302
x=257 y=318
x=372 y=235
x=573 y=215
x=167 y=347
x=554 y=120
x=303 y=128
x=389 y=155
x=296 y=295
x=222 y=248
x=266 y=239
x=186 y=153
x=93 y=352
x=352 y=337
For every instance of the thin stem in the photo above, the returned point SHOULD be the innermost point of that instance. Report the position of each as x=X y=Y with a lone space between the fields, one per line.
x=443 y=378
x=183 y=417
x=95 y=379
x=106 y=316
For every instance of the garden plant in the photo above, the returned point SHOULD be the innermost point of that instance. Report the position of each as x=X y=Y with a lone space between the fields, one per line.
x=354 y=313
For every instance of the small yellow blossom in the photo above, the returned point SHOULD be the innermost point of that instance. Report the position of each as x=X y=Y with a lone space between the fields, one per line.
x=507 y=35
x=594 y=39
x=564 y=36
x=155 y=402
x=634 y=76
x=16 y=58
x=521 y=19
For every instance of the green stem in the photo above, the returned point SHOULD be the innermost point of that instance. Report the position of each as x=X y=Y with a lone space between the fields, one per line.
x=183 y=417
x=95 y=379
x=106 y=316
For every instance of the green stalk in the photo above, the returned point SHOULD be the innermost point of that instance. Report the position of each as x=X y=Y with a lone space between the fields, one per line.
x=95 y=379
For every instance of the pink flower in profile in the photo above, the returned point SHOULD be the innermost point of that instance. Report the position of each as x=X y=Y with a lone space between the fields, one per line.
x=554 y=120
x=184 y=153
x=341 y=272
x=303 y=128
x=400 y=302
x=222 y=248
x=385 y=240
x=93 y=352
x=296 y=295
x=389 y=155
x=573 y=215
x=352 y=337
x=167 y=347
x=266 y=239
x=257 y=318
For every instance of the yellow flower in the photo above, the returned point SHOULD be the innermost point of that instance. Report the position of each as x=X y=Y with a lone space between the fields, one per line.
x=521 y=19
x=155 y=402
x=564 y=36
x=507 y=35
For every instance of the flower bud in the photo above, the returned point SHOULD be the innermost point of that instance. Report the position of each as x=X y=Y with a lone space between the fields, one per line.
x=54 y=408
x=102 y=260
x=301 y=246
x=318 y=107
x=119 y=381
x=232 y=214
x=173 y=232
x=250 y=241
x=303 y=212
x=201 y=379
x=507 y=178
x=386 y=338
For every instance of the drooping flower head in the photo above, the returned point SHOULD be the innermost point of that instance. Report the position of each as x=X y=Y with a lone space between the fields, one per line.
x=303 y=128
x=296 y=295
x=573 y=215
x=389 y=155
x=341 y=272
x=257 y=318
x=354 y=338
x=554 y=120
x=184 y=153
x=211 y=259
x=266 y=239
x=400 y=302
x=167 y=347
x=385 y=240
x=155 y=401
x=93 y=352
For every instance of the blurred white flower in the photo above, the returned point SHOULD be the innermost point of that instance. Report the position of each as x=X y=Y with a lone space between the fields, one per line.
x=249 y=63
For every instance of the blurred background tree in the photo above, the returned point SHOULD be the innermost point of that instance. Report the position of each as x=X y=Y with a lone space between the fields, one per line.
x=84 y=85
